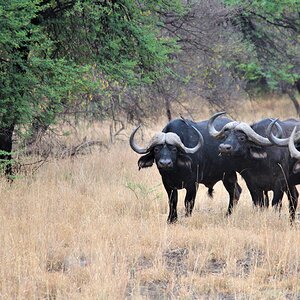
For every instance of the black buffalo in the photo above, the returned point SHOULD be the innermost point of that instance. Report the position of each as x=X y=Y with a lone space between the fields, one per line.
x=264 y=166
x=289 y=141
x=185 y=155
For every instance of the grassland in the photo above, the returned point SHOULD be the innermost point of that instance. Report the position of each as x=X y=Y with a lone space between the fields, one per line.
x=94 y=227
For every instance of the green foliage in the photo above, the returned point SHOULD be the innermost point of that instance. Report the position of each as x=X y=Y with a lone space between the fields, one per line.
x=250 y=71
x=5 y=161
x=50 y=52
x=271 y=29
x=32 y=82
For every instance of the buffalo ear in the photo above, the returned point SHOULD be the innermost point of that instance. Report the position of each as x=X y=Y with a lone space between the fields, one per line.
x=296 y=167
x=146 y=161
x=184 y=161
x=258 y=153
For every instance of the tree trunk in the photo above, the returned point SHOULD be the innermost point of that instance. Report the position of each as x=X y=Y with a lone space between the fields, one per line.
x=292 y=96
x=297 y=85
x=166 y=96
x=168 y=108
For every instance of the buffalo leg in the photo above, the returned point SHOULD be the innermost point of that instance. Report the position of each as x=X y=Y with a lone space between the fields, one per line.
x=173 y=199
x=189 y=200
x=263 y=200
x=277 y=199
x=234 y=190
x=256 y=195
x=293 y=201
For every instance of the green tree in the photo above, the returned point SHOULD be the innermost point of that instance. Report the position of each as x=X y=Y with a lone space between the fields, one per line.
x=51 y=50
x=271 y=32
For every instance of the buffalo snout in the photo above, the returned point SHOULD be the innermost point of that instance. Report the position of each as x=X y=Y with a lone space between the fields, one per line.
x=225 y=149
x=165 y=163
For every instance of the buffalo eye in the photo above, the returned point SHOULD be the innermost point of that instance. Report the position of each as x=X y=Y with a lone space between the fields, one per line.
x=242 y=138
x=174 y=150
x=225 y=134
x=156 y=149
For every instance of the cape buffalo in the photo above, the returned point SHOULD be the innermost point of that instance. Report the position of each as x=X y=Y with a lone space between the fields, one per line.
x=264 y=167
x=185 y=155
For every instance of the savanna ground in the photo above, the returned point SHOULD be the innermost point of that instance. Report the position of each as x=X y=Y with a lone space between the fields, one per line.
x=94 y=227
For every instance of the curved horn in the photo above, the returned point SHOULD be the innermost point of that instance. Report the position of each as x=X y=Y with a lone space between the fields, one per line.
x=133 y=144
x=199 y=144
x=282 y=142
x=252 y=135
x=169 y=138
x=274 y=139
x=293 y=151
x=211 y=128
x=279 y=128
x=200 y=141
x=173 y=139
x=219 y=134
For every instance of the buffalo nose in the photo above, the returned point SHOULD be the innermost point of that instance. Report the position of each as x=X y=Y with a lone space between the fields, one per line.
x=165 y=163
x=225 y=148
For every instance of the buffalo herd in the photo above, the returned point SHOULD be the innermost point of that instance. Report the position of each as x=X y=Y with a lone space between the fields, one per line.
x=266 y=154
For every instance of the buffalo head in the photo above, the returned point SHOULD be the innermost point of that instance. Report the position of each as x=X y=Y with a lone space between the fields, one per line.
x=239 y=139
x=166 y=149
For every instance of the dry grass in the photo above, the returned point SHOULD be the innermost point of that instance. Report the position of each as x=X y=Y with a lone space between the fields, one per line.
x=95 y=228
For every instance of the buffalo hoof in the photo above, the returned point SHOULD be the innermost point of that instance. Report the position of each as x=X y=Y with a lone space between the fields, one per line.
x=172 y=220
x=228 y=214
x=188 y=214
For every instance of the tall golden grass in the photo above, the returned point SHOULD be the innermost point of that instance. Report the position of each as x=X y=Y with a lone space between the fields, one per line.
x=95 y=227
